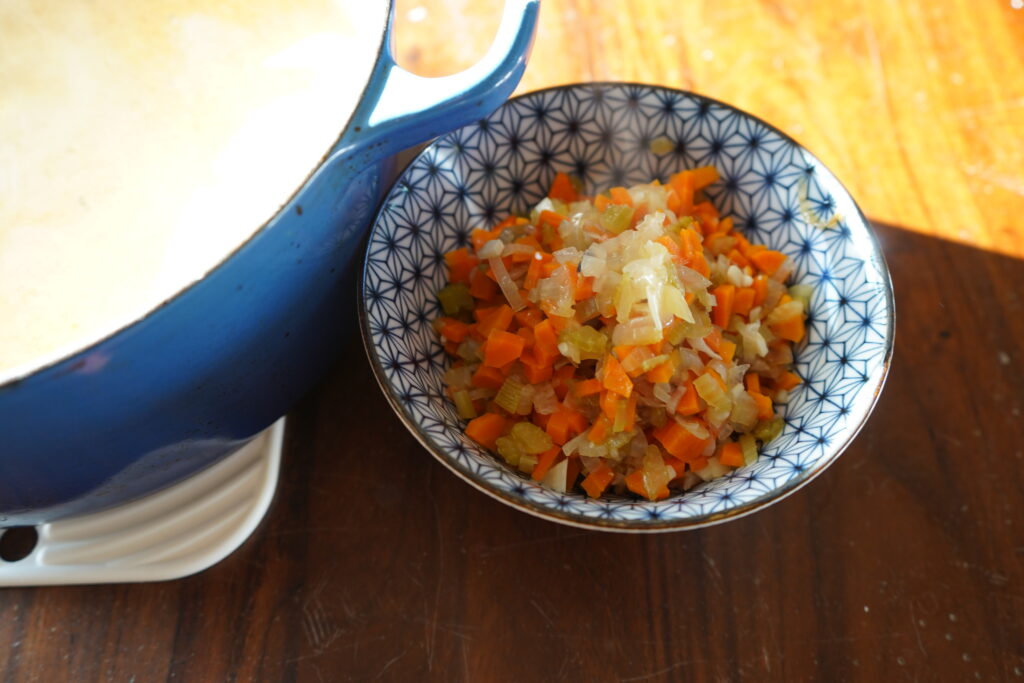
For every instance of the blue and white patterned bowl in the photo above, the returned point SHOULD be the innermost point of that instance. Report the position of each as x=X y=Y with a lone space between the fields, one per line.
x=602 y=132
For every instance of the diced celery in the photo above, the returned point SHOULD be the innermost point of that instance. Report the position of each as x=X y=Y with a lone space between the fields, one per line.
x=510 y=394
x=620 y=417
x=698 y=329
x=676 y=332
x=767 y=430
x=509 y=449
x=616 y=218
x=527 y=463
x=464 y=404
x=713 y=470
x=652 y=363
x=532 y=438
x=455 y=298
x=591 y=343
x=749 y=446
x=682 y=223
x=802 y=293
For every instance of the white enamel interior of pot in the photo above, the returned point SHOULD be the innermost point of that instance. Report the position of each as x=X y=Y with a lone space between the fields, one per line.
x=140 y=143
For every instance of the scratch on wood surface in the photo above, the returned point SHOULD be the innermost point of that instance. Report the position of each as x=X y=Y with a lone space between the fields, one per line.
x=316 y=623
x=537 y=607
x=655 y=674
x=917 y=630
x=390 y=662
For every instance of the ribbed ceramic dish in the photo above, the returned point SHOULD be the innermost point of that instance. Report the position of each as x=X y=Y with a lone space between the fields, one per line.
x=777 y=191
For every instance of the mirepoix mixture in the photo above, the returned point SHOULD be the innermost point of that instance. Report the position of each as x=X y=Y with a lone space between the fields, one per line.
x=630 y=341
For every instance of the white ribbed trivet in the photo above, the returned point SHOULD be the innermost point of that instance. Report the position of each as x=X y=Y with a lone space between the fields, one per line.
x=181 y=530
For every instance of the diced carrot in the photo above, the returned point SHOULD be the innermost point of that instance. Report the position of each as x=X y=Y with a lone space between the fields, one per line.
x=679 y=441
x=787 y=380
x=764 y=405
x=529 y=316
x=609 y=404
x=662 y=373
x=731 y=455
x=638 y=214
x=502 y=348
x=620 y=195
x=744 y=301
x=791 y=329
x=698 y=463
x=635 y=483
x=672 y=201
x=615 y=378
x=752 y=381
x=527 y=334
x=682 y=184
x=727 y=350
x=704 y=176
x=560 y=381
x=534 y=272
x=550 y=218
x=544 y=462
x=507 y=223
x=486 y=429
x=601 y=202
x=540 y=419
x=677 y=465
x=577 y=422
x=558 y=426
x=725 y=225
x=587 y=387
x=672 y=246
x=487 y=378
x=714 y=340
x=768 y=260
x=760 y=289
x=535 y=369
x=546 y=338
x=722 y=311
x=739 y=259
x=689 y=404
x=499 y=319
x=597 y=481
x=460 y=263
x=481 y=286
x=451 y=348
x=599 y=432
x=481 y=237
x=584 y=288
x=708 y=216
x=454 y=330
x=622 y=351
x=563 y=189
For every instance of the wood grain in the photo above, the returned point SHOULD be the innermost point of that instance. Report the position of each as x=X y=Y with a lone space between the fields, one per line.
x=903 y=561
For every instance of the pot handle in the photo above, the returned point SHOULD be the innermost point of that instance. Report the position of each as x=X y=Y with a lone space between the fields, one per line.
x=400 y=109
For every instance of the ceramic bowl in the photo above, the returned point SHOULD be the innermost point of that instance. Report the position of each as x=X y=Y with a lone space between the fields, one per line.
x=611 y=134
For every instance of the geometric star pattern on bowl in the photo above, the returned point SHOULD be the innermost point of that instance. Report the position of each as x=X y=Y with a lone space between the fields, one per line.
x=777 y=193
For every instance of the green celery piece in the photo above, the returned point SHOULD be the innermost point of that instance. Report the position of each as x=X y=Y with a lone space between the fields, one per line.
x=527 y=463
x=464 y=404
x=591 y=343
x=616 y=218
x=509 y=394
x=766 y=430
x=509 y=449
x=455 y=298
x=532 y=438
x=749 y=446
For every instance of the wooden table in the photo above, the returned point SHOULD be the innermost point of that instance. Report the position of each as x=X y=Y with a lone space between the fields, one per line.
x=904 y=561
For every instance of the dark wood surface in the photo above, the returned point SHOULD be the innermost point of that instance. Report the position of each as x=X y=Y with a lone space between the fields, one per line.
x=903 y=561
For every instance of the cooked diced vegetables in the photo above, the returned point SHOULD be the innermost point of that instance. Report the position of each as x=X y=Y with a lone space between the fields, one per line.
x=633 y=342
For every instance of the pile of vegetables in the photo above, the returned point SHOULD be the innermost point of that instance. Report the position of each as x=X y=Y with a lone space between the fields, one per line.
x=633 y=341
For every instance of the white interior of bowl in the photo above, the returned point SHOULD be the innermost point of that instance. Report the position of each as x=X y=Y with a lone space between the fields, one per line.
x=780 y=194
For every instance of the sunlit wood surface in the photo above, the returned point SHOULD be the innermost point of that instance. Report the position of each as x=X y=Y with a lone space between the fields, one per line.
x=904 y=561
x=918 y=107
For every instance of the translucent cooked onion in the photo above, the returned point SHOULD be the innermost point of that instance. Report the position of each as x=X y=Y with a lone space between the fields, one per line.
x=491 y=249
x=508 y=287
